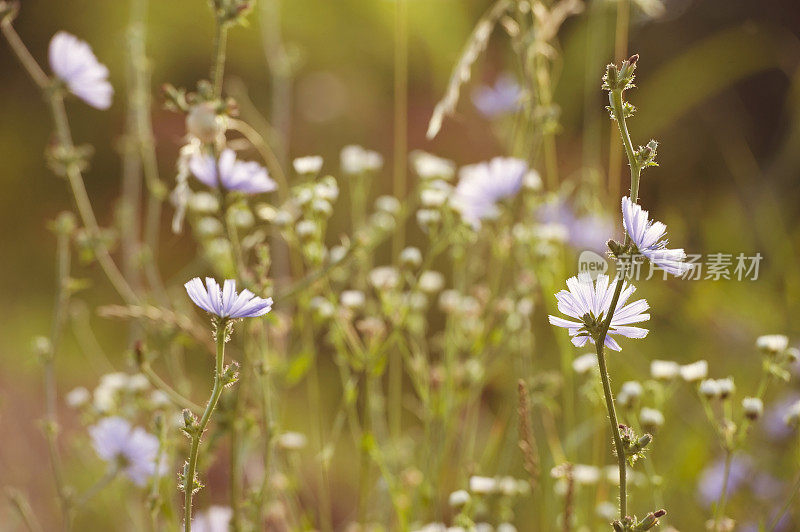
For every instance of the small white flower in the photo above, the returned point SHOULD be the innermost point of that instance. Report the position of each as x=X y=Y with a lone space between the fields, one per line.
x=651 y=418
x=384 y=278
x=533 y=181
x=203 y=203
x=208 y=226
x=772 y=343
x=695 y=371
x=159 y=398
x=137 y=383
x=429 y=166
x=709 y=388
x=357 y=160
x=305 y=229
x=352 y=299
x=726 y=387
x=114 y=381
x=78 y=397
x=435 y=196
x=311 y=164
x=411 y=257
x=292 y=441
x=664 y=369
x=73 y=61
x=630 y=392
x=388 y=204
x=792 y=417
x=482 y=485
x=459 y=498
x=584 y=363
x=431 y=282
x=428 y=217
x=585 y=474
x=753 y=407
x=322 y=307
x=327 y=189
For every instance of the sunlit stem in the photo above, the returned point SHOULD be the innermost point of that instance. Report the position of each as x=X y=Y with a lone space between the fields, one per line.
x=191 y=466
x=615 y=98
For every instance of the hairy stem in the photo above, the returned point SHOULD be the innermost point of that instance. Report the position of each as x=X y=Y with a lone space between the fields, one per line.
x=612 y=416
x=191 y=465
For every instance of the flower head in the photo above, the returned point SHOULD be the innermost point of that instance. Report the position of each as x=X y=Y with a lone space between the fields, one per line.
x=649 y=238
x=74 y=63
x=226 y=303
x=132 y=449
x=481 y=186
x=499 y=99
x=245 y=176
x=357 y=160
x=589 y=303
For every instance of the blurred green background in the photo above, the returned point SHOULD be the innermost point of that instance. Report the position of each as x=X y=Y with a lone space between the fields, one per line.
x=718 y=86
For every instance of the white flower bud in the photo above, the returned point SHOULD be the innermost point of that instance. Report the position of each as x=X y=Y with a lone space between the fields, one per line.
x=321 y=206
x=78 y=397
x=310 y=164
x=651 y=419
x=388 y=204
x=584 y=363
x=792 y=417
x=482 y=485
x=753 y=407
x=305 y=229
x=431 y=282
x=664 y=369
x=429 y=166
x=159 y=399
x=533 y=181
x=709 y=388
x=695 y=371
x=322 y=307
x=411 y=257
x=208 y=226
x=428 y=217
x=352 y=299
x=203 y=203
x=292 y=441
x=327 y=189
x=726 y=387
x=772 y=344
x=137 y=383
x=266 y=212
x=204 y=123
x=337 y=253
x=384 y=278
x=449 y=301
x=459 y=498
x=433 y=197
x=357 y=160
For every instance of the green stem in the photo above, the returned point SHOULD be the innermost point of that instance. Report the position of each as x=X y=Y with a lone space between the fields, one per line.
x=612 y=416
x=615 y=98
x=719 y=513
x=217 y=69
x=191 y=466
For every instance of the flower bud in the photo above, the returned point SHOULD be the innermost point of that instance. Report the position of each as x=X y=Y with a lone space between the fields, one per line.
x=204 y=123
x=695 y=371
x=411 y=257
x=459 y=498
x=709 y=388
x=651 y=419
x=664 y=369
x=753 y=408
x=352 y=299
x=772 y=344
x=726 y=387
